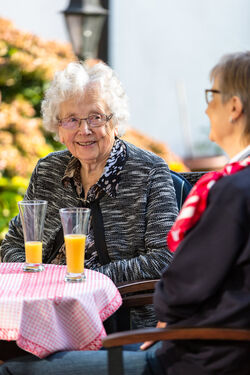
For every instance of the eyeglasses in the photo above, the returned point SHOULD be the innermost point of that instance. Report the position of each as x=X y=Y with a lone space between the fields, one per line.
x=94 y=120
x=209 y=94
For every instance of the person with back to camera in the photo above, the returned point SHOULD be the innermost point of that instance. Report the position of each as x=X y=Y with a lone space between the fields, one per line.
x=129 y=190
x=208 y=282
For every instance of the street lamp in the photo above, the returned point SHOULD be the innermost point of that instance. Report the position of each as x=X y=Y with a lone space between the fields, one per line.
x=84 y=20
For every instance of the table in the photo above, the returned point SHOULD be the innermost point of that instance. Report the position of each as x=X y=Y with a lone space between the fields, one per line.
x=44 y=314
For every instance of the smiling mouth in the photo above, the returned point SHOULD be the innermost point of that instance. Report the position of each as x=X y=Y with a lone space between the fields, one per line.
x=85 y=143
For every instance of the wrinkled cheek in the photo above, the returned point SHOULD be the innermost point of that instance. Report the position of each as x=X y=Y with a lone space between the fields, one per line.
x=105 y=132
x=70 y=144
x=69 y=140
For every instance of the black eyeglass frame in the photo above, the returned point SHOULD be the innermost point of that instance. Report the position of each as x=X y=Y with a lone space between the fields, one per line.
x=106 y=118
x=214 y=91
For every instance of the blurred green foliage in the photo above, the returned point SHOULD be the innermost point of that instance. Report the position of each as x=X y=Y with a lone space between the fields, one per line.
x=11 y=192
x=15 y=81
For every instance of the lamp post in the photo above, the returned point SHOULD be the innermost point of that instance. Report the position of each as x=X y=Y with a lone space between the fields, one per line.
x=84 y=20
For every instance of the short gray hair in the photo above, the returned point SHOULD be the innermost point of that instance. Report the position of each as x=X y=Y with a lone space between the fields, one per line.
x=73 y=80
x=233 y=73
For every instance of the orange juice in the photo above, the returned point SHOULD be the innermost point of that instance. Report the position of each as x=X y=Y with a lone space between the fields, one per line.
x=75 y=251
x=33 y=251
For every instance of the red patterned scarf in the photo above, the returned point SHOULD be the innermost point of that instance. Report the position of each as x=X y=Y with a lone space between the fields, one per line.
x=196 y=202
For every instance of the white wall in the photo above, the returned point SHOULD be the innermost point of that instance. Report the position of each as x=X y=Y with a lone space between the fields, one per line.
x=41 y=17
x=162 y=51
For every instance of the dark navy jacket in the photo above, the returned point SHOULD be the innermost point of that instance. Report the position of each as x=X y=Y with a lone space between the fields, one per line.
x=208 y=284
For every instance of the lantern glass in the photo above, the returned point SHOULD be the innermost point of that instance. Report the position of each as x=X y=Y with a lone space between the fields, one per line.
x=85 y=31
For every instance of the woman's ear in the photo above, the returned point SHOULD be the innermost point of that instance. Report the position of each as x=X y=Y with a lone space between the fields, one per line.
x=236 y=108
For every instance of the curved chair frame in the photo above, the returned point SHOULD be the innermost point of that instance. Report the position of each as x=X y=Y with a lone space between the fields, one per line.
x=115 y=341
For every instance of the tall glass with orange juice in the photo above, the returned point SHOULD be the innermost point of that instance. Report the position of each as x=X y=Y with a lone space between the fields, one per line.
x=75 y=226
x=75 y=245
x=32 y=215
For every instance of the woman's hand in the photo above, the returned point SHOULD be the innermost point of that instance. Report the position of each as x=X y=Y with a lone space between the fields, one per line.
x=147 y=344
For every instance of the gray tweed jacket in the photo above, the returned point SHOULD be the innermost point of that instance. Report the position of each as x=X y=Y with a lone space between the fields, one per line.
x=136 y=221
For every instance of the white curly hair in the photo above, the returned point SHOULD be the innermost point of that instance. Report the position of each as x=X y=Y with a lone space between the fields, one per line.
x=74 y=80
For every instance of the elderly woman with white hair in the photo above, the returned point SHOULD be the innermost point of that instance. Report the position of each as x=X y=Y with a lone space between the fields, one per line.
x=129 y=190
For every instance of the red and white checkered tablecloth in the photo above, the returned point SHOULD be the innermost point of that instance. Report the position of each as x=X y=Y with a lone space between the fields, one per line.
x=44 y=314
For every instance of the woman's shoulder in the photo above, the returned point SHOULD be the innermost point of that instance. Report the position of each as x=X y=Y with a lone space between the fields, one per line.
x=60 y=157
x=235 y=186
x=54 y=162
x=237 y=181
x=138 y=155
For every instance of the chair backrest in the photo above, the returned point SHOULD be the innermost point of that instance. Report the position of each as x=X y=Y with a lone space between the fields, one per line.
x=182 y=187
x=192 y=177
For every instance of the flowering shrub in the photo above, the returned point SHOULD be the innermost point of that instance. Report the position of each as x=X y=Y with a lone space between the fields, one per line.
x=11 y=192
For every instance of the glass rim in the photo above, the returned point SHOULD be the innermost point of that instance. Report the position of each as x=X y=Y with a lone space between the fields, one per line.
x=74 y=209
x=33 y=202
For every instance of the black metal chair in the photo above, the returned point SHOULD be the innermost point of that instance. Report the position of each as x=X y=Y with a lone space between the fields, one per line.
x=192 y=177
x=182 y=187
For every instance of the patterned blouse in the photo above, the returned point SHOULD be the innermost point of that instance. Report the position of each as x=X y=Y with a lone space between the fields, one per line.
x=108 y=183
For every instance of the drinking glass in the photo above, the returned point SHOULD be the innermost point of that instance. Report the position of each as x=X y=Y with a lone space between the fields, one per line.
x=32 y=215
x=75 y=227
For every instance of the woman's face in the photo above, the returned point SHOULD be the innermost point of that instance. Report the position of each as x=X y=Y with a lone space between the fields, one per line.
x=89 y=145
x=219 y=115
